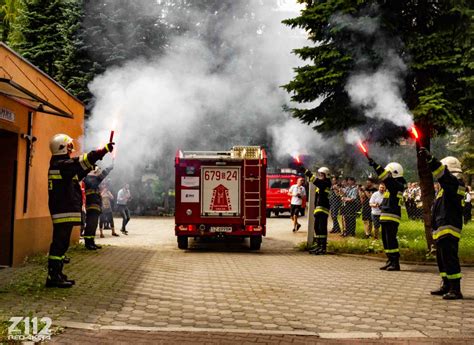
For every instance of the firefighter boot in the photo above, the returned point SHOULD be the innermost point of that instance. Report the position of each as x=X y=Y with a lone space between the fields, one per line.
x=317 y=248
x=89 y=243
x=96 y=245
x=54 y=278
x=387 y=264
x=443 y=289
x=322 y=247
x=454 y=290
x=394 y=264
x=64 y=277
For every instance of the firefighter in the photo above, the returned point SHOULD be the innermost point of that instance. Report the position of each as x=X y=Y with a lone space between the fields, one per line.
x=93 y=205
x=65 y=200
x=447 y=215
x=321 y=207
x=392 y=177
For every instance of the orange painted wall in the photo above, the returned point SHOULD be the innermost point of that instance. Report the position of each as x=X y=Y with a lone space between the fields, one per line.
x=33 y=229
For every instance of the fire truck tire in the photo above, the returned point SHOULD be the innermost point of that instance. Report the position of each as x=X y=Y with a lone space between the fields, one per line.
x=277 y=214
x=269 y=213
x=182 y=242
x=255 y=242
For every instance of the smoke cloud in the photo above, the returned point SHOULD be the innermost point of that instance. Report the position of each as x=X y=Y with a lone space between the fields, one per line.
x=201 y=96
x=377 y=91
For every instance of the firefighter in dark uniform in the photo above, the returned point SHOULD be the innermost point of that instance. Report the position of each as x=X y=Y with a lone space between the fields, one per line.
x=392 y=177
x=323 y=185
x=93 y=205
x=447 y=216
x=65 y=200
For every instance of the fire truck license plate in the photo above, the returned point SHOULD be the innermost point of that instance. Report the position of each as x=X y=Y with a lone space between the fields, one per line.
x=220 y=229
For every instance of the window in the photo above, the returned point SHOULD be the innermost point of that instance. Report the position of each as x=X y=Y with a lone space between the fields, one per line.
x=280 y=183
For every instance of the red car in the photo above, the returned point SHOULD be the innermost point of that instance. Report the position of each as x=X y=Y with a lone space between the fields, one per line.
x=221 y=194
x=278 y=200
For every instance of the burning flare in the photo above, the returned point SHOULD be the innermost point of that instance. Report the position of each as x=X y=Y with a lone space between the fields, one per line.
x=297 y=159
x=414 y=133
x=363 y=148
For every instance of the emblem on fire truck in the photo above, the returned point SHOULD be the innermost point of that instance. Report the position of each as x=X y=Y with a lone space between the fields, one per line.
x=220 y=200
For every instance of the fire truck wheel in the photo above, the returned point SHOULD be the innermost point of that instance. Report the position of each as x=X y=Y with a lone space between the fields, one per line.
x=255 y=242
x=269 y=213
x=182 y=242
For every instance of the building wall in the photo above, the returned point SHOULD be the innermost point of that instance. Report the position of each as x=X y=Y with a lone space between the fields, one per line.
x=33 y=229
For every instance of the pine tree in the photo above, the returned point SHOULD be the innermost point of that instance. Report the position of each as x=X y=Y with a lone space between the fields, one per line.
x=39 y=24
x=434 y=38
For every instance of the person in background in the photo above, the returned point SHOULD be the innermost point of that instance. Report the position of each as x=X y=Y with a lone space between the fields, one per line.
x=342 y=193
x=365 y=194
x=468 y=206
x=375 y=202
x=93 y=205
x=335 y=204
x=351 y=200
x=123 y=197
x=107 y=217
x=297 y=193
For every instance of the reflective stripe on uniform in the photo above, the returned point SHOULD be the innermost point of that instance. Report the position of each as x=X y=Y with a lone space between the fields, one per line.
x=445 y=230
x=88 y=236
x=392 y=250
x=454 y=276
x=312 y=178
x=92 y=191
x=93 y=207
x=390 y=217
x=439 y=172
x=462 y=191
x=53 y=257
x=320 y=236
x=84 y=162
x=442 y=274
x=55 y=177
x=384 y=175
x=67 y=220
x=66 y=217
x=321 y=209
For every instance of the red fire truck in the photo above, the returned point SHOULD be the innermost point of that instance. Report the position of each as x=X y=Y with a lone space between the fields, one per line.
x=278 y=185
x=220 y=194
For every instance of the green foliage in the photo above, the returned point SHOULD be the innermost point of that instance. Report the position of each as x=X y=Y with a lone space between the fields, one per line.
x=434 y=40
x=9 y=10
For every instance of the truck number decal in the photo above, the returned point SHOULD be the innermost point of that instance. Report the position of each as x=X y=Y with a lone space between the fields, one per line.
x=217 y=175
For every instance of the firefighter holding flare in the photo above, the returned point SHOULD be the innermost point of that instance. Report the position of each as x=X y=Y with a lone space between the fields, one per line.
x=392 y=177
x=65 y=199
x=447 y=215
x=323 y=185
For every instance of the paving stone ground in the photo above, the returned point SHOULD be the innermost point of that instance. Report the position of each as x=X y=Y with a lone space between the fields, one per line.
x=143 y=280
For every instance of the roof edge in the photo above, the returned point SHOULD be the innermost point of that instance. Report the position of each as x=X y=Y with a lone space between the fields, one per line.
x=3 y=45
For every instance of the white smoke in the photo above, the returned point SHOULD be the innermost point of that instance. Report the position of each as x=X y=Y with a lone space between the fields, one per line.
x=182 y=101
x=378 y=93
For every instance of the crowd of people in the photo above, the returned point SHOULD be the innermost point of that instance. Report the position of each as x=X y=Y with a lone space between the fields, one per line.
x=349 y=200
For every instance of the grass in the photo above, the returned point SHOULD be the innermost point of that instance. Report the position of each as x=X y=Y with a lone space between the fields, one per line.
x=411 y=239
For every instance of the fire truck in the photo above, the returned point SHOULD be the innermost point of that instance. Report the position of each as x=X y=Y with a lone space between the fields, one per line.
x=221 y=194
x=278 y=184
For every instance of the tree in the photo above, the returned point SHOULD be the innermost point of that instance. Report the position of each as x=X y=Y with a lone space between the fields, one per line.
x=9 y=10
x=433 y=39
x=39 y=24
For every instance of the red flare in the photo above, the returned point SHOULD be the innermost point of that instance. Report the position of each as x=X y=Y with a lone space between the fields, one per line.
x=414 y=133
x=297 y=159
x=363 y=148
x=112 y=132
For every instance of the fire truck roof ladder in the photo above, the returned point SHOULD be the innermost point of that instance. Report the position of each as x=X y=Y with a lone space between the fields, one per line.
x=252 y=173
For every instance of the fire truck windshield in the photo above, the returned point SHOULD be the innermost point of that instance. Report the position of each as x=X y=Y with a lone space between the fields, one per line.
x=280 y=183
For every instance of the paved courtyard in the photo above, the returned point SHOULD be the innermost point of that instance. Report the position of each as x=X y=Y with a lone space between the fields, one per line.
x=143 y=283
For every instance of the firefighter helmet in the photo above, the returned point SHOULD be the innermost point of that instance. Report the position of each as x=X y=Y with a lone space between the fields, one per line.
x=61 y=144
x=324 y=170
x=453 y=164
x=395 y=168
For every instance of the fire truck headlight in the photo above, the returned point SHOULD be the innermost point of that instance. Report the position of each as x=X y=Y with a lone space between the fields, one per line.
x=189 y=212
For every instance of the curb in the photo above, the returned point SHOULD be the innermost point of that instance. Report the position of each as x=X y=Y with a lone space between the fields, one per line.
x=415 y=263
x=322 y=335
